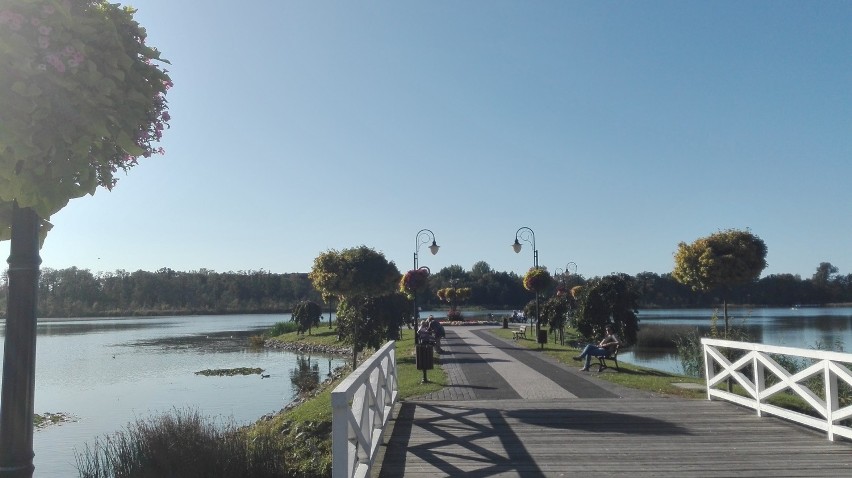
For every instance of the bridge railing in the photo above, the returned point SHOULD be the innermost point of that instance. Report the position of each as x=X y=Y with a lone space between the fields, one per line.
x=820 y=384
x=361 y=406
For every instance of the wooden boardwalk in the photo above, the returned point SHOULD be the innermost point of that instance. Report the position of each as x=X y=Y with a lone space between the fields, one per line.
x=625 y=435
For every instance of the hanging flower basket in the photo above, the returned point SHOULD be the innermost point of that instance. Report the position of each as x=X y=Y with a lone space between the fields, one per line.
x=413 y=281
x=537 y=279
x=82 y=99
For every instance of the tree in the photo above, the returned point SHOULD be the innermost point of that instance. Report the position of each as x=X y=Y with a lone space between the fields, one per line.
x=824 y=273
x=454 y=295
x=355 y=276
x=307 y=314
x=720 y=260
x=81 y=97
x=824 y=284
x=610 y=300
x=480 y=269
x=554 y=313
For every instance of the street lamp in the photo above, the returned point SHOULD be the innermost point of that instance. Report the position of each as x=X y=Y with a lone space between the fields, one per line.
x=570 y=268
x=421 y=238
x=527 y=235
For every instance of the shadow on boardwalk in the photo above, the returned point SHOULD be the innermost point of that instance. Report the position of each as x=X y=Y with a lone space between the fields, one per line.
x=637 y=435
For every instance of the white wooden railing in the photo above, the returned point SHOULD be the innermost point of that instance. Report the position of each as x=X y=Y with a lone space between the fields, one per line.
x=832 y=367
x=361 y=406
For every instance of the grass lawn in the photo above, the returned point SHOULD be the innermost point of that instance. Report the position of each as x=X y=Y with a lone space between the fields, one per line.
x=409 y=378
x=630 y=375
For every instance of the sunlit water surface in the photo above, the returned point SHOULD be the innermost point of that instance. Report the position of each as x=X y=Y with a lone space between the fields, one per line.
x=109 y=372
x=803 y=327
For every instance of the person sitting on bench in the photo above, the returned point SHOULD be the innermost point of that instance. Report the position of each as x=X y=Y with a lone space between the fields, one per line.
x=603 y=349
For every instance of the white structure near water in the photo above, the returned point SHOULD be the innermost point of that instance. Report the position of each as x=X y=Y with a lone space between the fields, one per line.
x=767 y=378
x=361 y=407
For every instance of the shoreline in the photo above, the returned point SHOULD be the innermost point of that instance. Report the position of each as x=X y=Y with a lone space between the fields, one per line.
x=41 y=320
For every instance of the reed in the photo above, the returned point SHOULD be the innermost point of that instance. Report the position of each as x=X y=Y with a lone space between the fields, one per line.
x=182 y=443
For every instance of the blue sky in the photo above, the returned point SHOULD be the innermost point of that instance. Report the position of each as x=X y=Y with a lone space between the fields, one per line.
x=613 y=129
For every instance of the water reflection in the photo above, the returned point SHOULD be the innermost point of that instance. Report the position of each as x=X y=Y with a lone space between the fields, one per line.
x=82 y=327
x=829 y=328
x=305 y=377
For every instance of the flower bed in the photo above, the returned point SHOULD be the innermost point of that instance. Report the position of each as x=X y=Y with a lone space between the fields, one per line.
x=469 y=322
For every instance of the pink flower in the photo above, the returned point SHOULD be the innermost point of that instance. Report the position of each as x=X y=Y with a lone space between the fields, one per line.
x=48 y=9
x=14 y=20
x=55 y=62
x=45 y=30
x=35 y=21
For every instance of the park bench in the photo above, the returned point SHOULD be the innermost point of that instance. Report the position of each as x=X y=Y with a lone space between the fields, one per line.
x=613 y=356
x=521 y=332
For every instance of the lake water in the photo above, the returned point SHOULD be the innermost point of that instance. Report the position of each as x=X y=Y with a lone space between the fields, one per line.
x=109 y=372
x=804 y=327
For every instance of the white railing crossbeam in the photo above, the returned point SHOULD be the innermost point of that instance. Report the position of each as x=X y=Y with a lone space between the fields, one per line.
x=829 y=368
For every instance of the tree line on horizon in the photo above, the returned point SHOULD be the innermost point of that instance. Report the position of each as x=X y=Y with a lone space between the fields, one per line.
x=75 y=292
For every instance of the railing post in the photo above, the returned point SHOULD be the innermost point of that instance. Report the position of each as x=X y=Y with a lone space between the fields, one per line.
x=708 y=368
x=832 y=401
x=341 y=464
x=759 y=382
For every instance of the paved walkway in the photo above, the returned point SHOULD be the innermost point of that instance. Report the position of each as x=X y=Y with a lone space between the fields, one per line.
x=511 y=412
x=481 y=366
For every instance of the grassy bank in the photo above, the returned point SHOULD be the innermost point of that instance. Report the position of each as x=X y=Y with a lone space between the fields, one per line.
x=307 y=428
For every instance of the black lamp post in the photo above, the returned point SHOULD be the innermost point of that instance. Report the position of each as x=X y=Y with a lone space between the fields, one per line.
x=19 y=354
x=570 y=268
x=421 y=238
x=527 y=235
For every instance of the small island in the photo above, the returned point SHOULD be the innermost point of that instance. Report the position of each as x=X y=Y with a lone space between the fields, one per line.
x=230 y=372
x=48 y=418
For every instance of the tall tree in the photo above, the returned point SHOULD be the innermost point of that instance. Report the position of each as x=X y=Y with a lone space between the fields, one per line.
x=355 y=277
x=610 y=300
x=307 y=314
x=719 y=261
x=81 y=97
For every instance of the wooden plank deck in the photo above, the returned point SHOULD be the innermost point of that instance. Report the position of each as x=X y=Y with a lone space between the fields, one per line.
x=493 y=420
x=650 y=437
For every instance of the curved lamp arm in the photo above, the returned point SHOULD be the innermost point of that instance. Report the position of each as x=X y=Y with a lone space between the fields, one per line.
x=527 y=235
x=421 y=238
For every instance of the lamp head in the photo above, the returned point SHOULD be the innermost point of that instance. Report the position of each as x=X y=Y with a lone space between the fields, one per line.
x=516 y=246
x=434 y=247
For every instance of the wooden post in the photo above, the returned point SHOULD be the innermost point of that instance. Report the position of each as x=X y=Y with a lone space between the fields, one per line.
x=17 y=402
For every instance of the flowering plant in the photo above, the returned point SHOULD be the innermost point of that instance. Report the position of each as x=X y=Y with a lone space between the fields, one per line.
x=81 y=97
x=537 y=279
x=414 y=280
x=451 y=294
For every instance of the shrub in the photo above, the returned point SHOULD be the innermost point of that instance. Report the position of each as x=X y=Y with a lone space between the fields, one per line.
x=281 y=328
